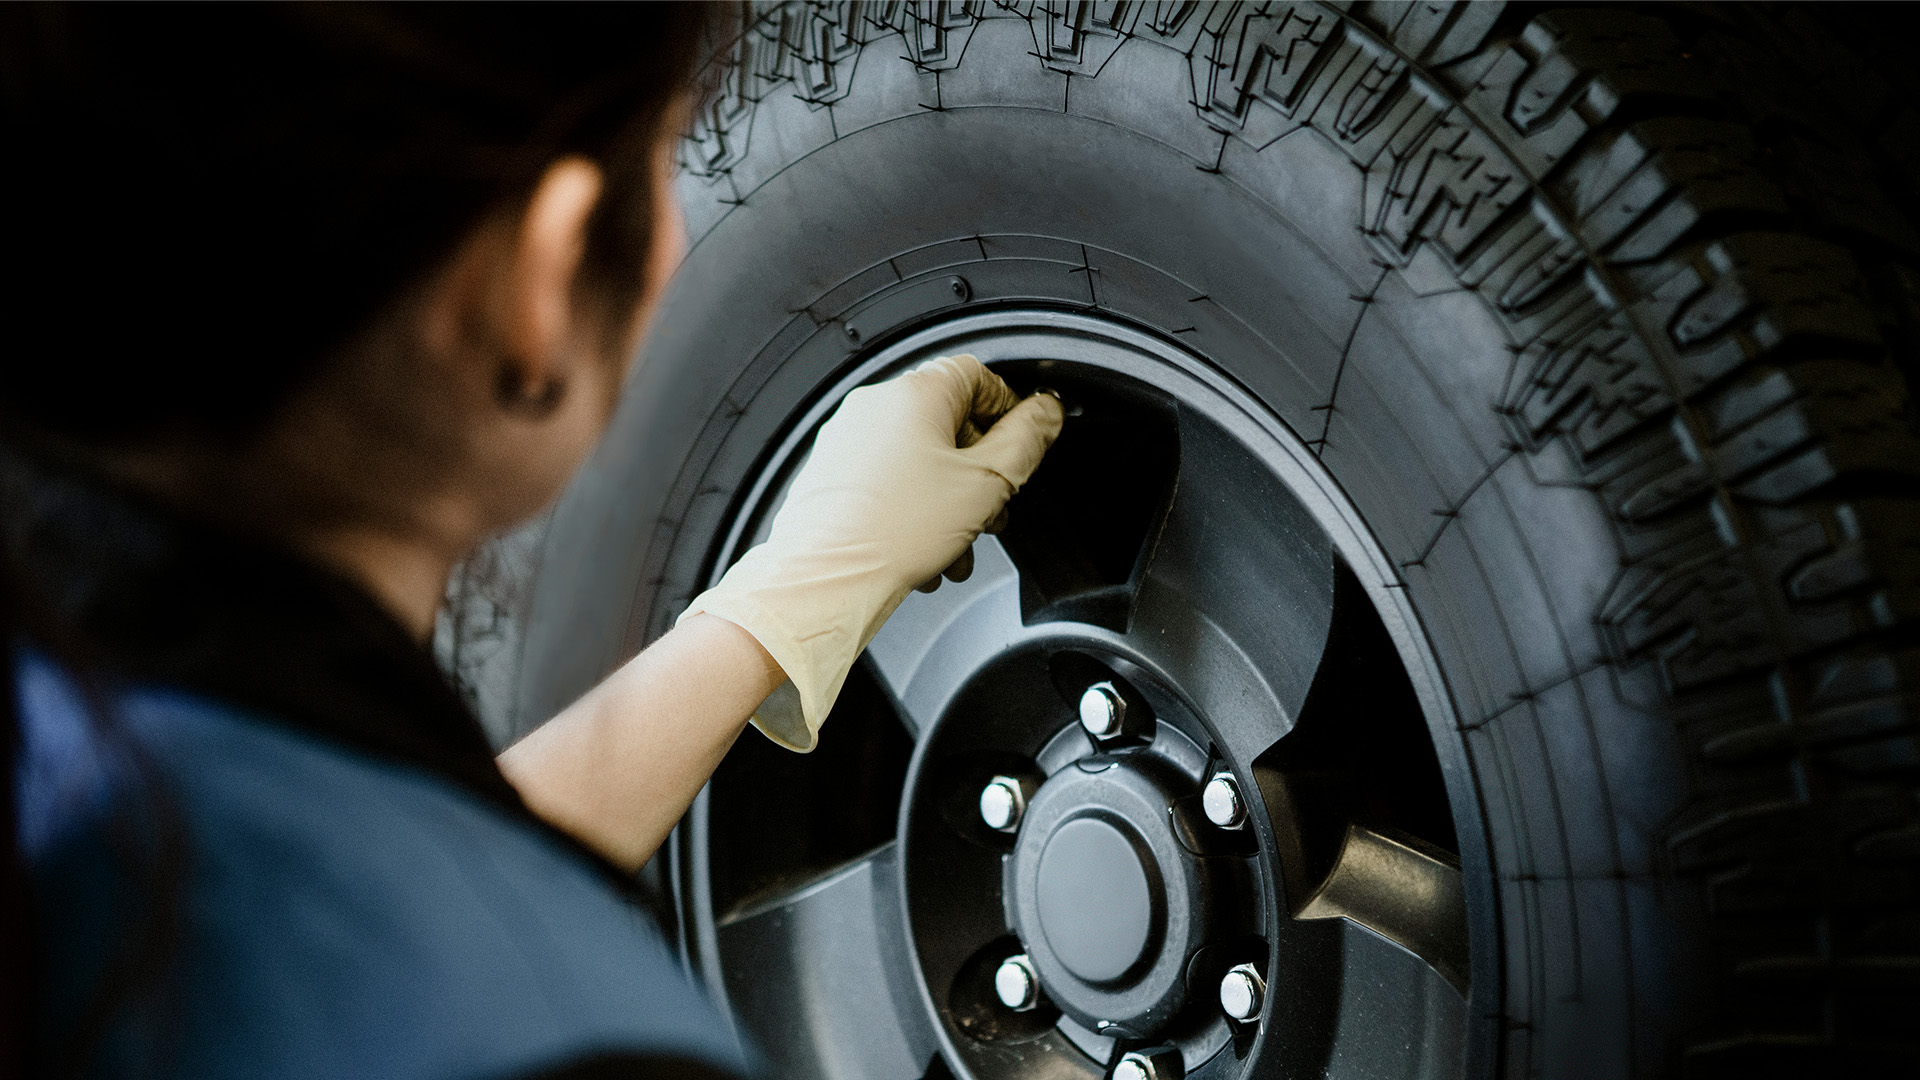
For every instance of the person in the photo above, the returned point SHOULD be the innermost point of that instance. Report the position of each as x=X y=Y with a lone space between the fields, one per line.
x=303 y=303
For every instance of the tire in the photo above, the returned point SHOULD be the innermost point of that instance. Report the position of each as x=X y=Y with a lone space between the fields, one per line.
x=1600 y=322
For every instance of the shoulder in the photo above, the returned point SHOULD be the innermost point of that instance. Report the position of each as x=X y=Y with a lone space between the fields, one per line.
x=346 y=915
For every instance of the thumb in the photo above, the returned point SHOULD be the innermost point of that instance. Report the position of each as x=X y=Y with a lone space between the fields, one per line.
x=1016 y=442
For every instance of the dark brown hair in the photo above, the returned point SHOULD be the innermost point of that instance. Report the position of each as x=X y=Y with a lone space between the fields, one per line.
x=205 y=204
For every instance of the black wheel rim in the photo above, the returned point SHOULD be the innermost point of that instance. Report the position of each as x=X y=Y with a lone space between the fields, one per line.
x=1184 y=546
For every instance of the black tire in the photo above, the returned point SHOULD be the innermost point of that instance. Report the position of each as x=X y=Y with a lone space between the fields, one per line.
x=1600 y=318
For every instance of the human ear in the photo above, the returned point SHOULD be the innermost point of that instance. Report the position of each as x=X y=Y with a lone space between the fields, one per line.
x=531 y=310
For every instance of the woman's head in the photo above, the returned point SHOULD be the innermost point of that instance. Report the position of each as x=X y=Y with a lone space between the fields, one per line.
x=306 y=264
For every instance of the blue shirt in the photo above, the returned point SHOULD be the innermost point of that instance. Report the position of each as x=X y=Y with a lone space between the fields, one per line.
x=340 y=916
x=355 y=891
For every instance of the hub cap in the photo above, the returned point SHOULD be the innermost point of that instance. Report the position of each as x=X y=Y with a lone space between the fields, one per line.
x=1096 y=903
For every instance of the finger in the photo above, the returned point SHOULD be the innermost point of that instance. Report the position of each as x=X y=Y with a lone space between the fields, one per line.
x=969 y=434
x=949 y=385
x=975 y=396
x=992 y=398
x=961 y=568
x=996 y=524
x=1015 y=444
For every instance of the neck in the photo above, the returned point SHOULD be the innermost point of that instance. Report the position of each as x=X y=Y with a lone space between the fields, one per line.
x=409 y=579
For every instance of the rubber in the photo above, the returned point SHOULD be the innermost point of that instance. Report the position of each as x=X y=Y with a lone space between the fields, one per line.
x=1604 y=318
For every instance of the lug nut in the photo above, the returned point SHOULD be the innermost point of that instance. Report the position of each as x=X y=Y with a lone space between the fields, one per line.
x=1102 y=710
x=1241 y=991
x=1161 y=1064
x=1015 y=983
x=1002 y=802
x=1221 y=800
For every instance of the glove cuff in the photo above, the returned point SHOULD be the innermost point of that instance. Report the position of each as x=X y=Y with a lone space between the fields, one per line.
x=816 y=657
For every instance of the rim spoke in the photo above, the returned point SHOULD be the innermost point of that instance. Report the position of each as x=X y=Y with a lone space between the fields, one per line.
x=1395 y=1016
x=1404 y=894
x=1236 y=597
x=1196 y=654
x=828 y=966
x=936 y=640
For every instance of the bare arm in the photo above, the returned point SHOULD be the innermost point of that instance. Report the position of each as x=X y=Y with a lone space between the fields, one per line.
x=896 y=487
x=618 y=767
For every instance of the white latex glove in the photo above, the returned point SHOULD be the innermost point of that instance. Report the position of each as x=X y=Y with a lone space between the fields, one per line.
x=902 y=479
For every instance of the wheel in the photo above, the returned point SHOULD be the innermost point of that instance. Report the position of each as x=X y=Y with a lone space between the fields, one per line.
x=1465 y=627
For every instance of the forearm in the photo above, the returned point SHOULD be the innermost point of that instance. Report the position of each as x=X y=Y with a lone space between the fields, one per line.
x=618 y=767
x=898 y=482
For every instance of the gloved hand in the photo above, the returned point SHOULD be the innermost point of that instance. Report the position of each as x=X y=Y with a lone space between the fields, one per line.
x=903 y=477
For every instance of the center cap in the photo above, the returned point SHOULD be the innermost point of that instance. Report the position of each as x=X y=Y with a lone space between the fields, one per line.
x=1095 y=899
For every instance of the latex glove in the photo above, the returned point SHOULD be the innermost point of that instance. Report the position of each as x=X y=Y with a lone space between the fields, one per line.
x=901 y=480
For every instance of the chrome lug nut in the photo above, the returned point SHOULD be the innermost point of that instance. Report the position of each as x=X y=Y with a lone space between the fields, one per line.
x=1241 y=992
x=1002 y=802
x=1102 y=710
x=1222 y=802
x=1016 y=985
x=1161 y=1064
